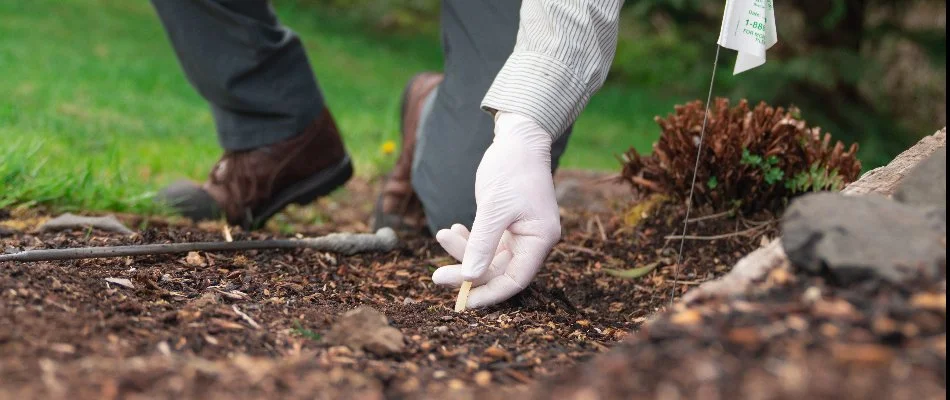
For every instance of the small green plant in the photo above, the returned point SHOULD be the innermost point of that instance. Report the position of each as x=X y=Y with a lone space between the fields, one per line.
x=299 y=330
x=712 y=183
x=771 y=173
x=816 y=178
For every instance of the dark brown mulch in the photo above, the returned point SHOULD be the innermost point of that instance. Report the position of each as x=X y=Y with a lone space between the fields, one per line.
x=794 y=336
x=66 y=332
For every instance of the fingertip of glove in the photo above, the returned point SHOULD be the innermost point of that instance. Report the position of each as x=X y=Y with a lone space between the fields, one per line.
x=446 y=275
x=442 y=234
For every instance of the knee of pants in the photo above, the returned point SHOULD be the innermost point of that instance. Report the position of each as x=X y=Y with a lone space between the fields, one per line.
x=443 y=210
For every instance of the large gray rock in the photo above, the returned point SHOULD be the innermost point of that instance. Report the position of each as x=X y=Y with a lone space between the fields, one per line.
x=865 y=237
x=926 y=184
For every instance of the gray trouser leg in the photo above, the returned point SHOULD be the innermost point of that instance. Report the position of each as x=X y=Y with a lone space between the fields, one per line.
x=253 y=71
x=477 y=38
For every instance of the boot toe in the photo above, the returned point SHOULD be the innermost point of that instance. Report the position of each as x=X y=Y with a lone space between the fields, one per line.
x=189 y=200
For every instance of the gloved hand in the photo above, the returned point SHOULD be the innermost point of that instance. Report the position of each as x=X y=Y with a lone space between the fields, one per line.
x=517 y=221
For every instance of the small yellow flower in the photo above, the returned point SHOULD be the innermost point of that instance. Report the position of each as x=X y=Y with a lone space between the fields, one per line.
x=388 y=147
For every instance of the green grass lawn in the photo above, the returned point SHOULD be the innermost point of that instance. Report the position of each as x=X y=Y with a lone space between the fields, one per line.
x=97 y=115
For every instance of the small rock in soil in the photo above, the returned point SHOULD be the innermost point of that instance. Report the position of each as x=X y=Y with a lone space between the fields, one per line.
x=366 y=329
x=867 y=237
x=926 y=184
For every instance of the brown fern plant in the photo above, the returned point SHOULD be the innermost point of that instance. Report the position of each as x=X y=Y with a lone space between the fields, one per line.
x=753 y=159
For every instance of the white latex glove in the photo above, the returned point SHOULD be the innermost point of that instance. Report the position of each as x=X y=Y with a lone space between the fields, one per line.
x=517 y=221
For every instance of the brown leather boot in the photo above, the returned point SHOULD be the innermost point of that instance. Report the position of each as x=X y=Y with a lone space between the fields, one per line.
x=398 y=207
x=249 y=187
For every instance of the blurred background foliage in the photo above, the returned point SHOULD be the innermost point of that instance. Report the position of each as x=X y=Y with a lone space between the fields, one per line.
x=97 y=114
x=871 y=71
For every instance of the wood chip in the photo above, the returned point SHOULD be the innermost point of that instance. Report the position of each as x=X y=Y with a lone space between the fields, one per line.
x=247 y=318
x=121 y=282
x=227 y=233
x=233 y=295
x=462 y=301
x=518 y=376
x=871 y=354
x=687 y=317
x=748 y=336
x=225 y=324
x=834 y=309
x=64 y=348
x=496 y=353
x=930 y=301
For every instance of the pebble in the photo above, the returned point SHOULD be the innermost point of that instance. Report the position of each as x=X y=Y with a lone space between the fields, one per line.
x=442 y=329
x=830 y=330
x=883 y=326
x=797 y=322
x=471 y=365
x=411 y=367
x=483 y=378
x=910 y=330
x=410 y=385
x=811 y=295
x=440 y=374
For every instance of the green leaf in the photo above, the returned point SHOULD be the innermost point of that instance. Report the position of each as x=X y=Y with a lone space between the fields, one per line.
x=304 y=332
x=712 y=183
x=772 y=160
x=774 y=175
x=632 y=273
x=750 y=159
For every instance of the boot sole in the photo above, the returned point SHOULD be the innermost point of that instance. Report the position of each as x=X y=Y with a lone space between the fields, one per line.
x=304 y=192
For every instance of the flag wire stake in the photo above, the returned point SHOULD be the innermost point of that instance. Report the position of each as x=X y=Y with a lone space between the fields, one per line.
x=689 y=202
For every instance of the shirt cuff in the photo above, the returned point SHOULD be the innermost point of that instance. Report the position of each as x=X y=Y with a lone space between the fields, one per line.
x=540 y=87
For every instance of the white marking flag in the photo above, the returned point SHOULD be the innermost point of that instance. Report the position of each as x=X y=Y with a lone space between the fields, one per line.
x=748 y=27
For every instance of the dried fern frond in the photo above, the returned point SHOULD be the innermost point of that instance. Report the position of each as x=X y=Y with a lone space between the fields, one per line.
x=753 y=157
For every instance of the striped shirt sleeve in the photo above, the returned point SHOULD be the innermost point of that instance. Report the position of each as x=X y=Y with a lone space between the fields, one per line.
x=561 y=58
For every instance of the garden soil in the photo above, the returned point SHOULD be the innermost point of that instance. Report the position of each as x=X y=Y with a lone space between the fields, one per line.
x=255 y=324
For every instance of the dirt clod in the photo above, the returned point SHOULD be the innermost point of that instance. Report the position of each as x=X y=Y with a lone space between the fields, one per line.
x=366 y=329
